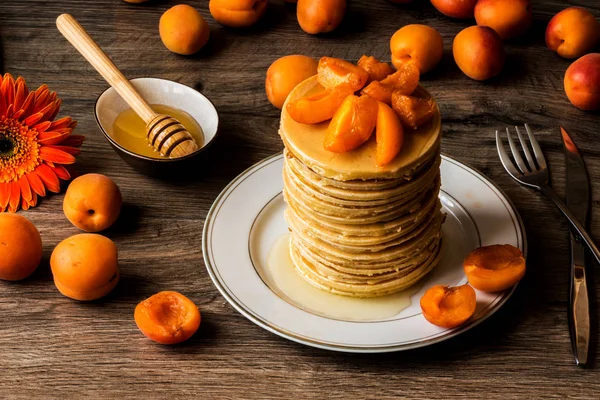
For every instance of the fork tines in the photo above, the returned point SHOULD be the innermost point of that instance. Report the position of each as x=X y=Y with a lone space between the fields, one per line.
x=535 y=163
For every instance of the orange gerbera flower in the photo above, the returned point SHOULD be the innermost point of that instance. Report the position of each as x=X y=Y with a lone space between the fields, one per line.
x=33 y=147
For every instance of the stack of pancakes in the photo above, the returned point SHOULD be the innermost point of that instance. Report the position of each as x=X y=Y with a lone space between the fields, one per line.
x=357 y=230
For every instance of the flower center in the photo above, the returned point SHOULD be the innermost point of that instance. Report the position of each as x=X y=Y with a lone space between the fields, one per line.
x=7 y=146
x=19 y=149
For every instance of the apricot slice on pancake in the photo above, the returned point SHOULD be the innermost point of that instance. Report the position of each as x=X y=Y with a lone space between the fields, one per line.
x=352 y=124
x=403 y=81
x=318 y=107
x=376 y=69
x=389 y=135
x=334 y=72
x=413 y=111
x=494 y=268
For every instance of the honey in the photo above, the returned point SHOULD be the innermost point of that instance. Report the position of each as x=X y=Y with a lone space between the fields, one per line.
x=130 y=131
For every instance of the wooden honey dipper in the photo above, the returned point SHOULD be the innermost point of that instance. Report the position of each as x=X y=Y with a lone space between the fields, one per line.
x=164 y=133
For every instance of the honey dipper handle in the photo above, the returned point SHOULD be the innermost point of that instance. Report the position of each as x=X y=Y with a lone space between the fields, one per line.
x=78 y=37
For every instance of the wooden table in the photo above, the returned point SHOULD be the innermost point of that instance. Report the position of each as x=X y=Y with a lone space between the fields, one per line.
x=52 y=347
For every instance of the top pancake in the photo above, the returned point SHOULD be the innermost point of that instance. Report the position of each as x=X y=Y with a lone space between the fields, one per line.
x=306 y=142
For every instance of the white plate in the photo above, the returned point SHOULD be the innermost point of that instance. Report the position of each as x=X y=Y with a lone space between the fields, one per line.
x=247 y=218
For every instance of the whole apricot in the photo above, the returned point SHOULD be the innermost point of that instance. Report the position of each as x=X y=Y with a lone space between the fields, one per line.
x=479 y=52
x=418 y=44
x=573 y=32
x=237 y=13
x=183 y=30
x=582 y=82
x=167 y=317
x=92 y=202
x=320 y=16
x=20 y=247
x=85 y=266
x=455 y=8
x=285 y=73
x=509 y=18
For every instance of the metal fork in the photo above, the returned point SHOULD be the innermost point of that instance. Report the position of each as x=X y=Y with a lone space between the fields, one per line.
x=534 y=174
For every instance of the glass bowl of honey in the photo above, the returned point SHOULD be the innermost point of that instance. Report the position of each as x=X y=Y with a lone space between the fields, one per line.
x=126 y=132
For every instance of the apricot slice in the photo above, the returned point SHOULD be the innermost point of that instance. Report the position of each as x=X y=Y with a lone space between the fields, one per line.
x=334 y=72
x=447 y=306
x=389 y=135
x=413 y=111
x=376 y=69
x=352 y=124
x=404 y=81
x=494 y=268
x=318 y=107
x=167 y=317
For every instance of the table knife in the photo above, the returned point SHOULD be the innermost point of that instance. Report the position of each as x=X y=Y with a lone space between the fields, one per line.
x=578 y=200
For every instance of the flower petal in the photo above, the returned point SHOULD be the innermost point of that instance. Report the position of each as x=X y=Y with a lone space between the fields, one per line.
x=50 y=116
x=25 y=188
x=53 y=137
x=3 y=105
x=49 y=178
x=61 y=123
x=41 y=98
x=36 y=184
x=24 y=204
x=55 y=155
x=33 y=119
x=20 y=94
x=67 y=149
x=62 y=172
x=8 y=88
x=42 y=126
x=15 y=197
x=73 y=141
x=4 y=195
x=28 y=104
x=34 y=200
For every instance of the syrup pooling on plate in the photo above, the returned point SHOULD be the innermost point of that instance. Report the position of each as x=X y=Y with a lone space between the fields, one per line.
x=130 y=131
x=303 y=295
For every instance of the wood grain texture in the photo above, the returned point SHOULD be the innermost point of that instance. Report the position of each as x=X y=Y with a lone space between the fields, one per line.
x=52 y=347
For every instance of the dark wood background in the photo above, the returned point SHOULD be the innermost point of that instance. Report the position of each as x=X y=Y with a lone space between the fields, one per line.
x=53 y=347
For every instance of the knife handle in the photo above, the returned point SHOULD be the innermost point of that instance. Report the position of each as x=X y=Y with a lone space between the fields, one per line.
x=577 y=226
x=579 y=314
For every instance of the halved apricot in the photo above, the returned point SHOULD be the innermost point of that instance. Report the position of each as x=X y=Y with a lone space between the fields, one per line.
x=318 y=107
x=413 y=111
x=167 y=317
x=376 y=69
x=389 y=135
x=404 y=81
x=352 y=124
x=447 y=306
x=335 y=72
x=494 y=268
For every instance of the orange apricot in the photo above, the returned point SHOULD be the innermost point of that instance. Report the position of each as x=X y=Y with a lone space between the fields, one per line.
x=479 y=52
x=447 y=306
x=92 y=202
x=20 y=247
x=418 y=44
x=509 y=18
x=404 y=81
x=237 y=13
x=320 y=16
x=413 y=111
x=582 y=82
x=352 y=124
x=183 y=30
x=334 y=72
x=285 y=73
x=167 y=317
x=376 y=69
x=318 y=107
x=455 y=8
x=389 y=135
x=85 y=266
x=494 y=268
x=573 y=32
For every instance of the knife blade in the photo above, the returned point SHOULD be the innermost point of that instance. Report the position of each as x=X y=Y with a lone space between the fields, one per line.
x=578 y=200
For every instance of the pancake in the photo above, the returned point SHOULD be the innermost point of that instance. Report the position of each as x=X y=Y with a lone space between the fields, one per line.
x=358 y=229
